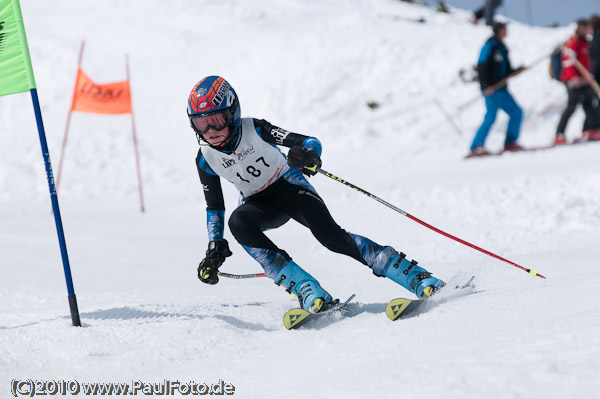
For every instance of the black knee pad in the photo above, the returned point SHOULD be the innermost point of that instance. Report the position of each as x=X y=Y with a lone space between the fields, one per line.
x=240 y=223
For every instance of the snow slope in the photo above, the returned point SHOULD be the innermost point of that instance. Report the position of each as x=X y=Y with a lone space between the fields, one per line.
x=309 y=67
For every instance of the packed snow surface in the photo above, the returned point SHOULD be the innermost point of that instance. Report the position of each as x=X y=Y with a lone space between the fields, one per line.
x=309 y=67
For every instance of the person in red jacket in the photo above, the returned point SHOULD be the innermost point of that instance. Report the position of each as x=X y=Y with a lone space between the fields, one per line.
x=579 y=89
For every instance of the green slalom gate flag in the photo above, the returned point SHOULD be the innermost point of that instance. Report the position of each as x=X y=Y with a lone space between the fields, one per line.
x=16 y=75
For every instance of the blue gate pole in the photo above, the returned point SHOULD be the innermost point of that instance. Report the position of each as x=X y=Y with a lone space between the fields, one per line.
x=56 y=210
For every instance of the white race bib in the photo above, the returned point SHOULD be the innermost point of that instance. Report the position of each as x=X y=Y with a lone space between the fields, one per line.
x=253 y=166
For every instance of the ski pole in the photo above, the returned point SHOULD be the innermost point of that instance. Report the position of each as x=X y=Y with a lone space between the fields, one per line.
x=241 y=276
x=494 y=87
x=448 y=117
x=589 y=78
x=534 y=273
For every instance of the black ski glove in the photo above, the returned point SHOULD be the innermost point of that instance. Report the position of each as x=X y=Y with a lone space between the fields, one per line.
x=215 y=256
x=306 y=160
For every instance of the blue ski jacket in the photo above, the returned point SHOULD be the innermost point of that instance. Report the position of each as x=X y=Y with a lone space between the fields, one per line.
x=493 y=64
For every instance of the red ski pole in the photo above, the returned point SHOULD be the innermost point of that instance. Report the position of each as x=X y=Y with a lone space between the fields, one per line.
x=534 y=273
x=241 y=276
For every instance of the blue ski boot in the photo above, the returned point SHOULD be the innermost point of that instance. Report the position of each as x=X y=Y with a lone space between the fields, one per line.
x=412 y=277
x=298 y=282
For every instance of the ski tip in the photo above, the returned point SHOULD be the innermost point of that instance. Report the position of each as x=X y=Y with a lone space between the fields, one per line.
x=395 y=307
x=293 y=317
x=296 y=317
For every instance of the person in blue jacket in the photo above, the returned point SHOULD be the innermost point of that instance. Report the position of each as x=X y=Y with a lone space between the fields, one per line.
x=245 y=151
x=493 y=68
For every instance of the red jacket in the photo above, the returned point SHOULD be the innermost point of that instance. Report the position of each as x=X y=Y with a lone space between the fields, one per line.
x=578 y=47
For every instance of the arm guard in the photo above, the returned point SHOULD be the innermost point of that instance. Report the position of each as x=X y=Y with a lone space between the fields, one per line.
x=213 y=194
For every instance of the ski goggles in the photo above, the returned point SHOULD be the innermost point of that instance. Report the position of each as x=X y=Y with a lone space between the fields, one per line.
x=203 y=123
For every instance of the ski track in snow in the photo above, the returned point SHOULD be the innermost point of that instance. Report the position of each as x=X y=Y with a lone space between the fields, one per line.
x=309 y=68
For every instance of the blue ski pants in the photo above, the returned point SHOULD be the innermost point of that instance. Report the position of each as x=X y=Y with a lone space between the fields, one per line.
x=500 y=99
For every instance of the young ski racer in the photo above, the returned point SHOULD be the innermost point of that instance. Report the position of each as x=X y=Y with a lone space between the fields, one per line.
x=274 y=190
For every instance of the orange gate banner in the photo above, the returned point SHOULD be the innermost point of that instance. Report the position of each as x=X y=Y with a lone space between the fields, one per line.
x=109 y=98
